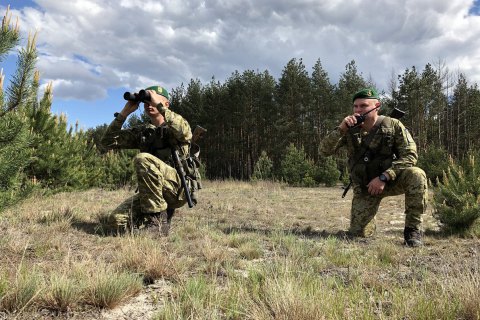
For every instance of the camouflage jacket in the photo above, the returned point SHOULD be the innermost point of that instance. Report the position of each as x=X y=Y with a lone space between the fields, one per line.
x=387 y=147
x=175 y=131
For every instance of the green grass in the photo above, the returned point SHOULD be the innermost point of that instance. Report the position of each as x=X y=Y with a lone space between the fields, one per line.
x=62 y=293
x=21 y=291
x=108 y=288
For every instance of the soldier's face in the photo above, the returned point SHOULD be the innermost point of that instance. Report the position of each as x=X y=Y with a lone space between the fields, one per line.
x=361 y=106
x=150 y=110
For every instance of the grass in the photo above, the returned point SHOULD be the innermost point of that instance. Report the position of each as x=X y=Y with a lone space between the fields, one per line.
x=247 y=251
x=107 y=288
x=62 y=293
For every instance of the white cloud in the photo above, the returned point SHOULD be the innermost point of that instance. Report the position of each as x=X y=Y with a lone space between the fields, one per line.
x=87 y=47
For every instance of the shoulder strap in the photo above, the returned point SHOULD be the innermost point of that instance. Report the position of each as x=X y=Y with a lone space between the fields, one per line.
x=364 y=145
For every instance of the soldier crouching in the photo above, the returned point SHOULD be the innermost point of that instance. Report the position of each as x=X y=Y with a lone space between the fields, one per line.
x=382 y=157
x=160 y=189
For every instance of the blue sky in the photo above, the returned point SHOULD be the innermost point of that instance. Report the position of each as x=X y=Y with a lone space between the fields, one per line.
x=94 y=50
x=475 y=8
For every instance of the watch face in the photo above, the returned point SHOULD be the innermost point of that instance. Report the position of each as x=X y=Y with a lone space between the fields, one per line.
x=383 y=178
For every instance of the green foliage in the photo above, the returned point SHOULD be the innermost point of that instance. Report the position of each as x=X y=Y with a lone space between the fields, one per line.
x=328 y=172
x=294 y=97
x=116 y=165
x=457 y=198
x=63 y=159
x=36 y=145
x=117 y=169
x=14 y=132
x=14 y=157
x=9 y=36
x=263 y=168
x=296 y=169
x=22 y=89
x=434 y=161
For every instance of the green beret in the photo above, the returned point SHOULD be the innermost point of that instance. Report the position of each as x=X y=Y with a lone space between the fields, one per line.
x=159 y=90
x=367 y=93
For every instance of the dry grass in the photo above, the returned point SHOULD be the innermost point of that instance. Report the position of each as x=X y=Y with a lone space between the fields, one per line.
x=247 y=251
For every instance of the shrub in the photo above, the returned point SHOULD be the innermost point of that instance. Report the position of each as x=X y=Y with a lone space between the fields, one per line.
x=328 y=172
x=434 y=161
x=457 y=198
x=14 y=158
x=263 y=168
x=295 y=168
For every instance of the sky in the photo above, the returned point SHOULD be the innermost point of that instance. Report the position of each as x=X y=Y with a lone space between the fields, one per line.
x=95 y=50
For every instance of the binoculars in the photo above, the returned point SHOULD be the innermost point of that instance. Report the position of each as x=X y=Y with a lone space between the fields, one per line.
x=140 y=96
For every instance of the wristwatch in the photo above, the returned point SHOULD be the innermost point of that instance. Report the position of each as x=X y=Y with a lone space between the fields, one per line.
x=383 y=178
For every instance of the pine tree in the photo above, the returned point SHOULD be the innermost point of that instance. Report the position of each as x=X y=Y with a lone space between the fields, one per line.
x=350 y=82
x=294 y=97
x=328 y=172
x=296 y=169
x=263 y=168
x=321 y=111
x=14 y=133
x=63 y=157
x=457 y=198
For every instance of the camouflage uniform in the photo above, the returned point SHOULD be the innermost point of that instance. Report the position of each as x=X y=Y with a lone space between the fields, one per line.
x=388 y=147
x=159 y=185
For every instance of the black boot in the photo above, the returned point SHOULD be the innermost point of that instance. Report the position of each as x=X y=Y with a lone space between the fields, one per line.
x=170 y=213
x=164 y=222
x=413 y=237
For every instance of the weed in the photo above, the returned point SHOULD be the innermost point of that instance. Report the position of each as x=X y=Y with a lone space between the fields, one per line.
x=64 y=215
x=62 y=293
x=250 y=250
x=107 y=288
x=22 y=291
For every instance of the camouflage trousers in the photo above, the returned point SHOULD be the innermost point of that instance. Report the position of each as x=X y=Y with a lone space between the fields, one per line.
x=159 y=188
x=412 y=182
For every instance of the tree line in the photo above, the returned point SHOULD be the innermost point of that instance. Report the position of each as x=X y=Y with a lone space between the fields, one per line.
x=251 y=113
x=250 y=117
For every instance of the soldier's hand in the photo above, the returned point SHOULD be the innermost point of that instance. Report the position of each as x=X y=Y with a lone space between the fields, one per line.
x=156 y=99
x=130 y=106
x=376 y=186
x=348 y=122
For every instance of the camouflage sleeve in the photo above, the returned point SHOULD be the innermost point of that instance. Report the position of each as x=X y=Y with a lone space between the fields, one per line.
x=116 y=138
x=406 y=150
x=178 y=125
x=333 y=141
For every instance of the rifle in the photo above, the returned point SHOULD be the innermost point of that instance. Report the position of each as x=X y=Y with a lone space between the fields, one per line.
x=181 y=172
x=197 y=134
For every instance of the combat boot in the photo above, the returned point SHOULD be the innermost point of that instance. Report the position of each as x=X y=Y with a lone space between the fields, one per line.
x=158 y=224
x=170 y=213
x=166 y=221
x=413 y=237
